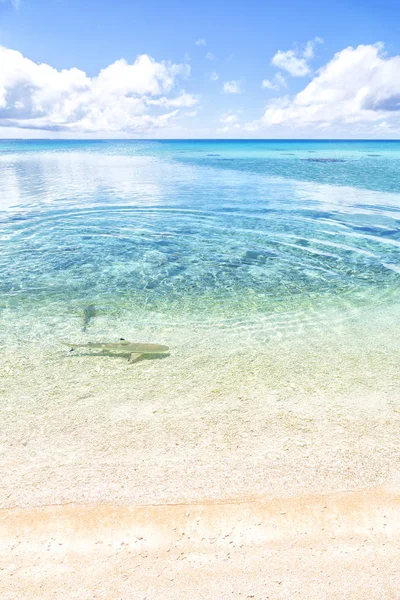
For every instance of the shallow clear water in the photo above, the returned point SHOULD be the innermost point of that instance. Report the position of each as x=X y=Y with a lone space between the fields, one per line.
x=157 y=237
x=273 y=279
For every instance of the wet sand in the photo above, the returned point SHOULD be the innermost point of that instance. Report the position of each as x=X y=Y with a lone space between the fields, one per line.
x=330 y=546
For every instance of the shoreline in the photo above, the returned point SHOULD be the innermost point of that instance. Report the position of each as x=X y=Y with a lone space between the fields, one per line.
x=306 y=547
x=249 y=520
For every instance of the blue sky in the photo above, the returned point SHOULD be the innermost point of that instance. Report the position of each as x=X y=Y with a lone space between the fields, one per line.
x=212 y=68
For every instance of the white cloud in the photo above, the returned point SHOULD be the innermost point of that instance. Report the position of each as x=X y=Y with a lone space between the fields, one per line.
x=275 y=84
x=231 y=127
x=357 y=91
x=298 y=67
x=232 y=87
x=310 y=46
x=122 y=97
x=295 y=61
x=200 y=42
x=228 y=118
x=210 y=56
x=214 y=76
x=267 y=83
x=183 y=100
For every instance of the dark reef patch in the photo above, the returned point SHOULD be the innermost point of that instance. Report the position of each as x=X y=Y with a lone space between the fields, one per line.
x=325 y=160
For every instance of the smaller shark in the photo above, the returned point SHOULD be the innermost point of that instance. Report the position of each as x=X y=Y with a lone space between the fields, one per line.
x=136 y=350
x=89 y=312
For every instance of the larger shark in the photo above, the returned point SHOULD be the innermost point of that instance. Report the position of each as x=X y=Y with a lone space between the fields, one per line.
x=136 y=350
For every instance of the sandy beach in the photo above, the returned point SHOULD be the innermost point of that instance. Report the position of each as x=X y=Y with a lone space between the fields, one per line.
x=328 y=546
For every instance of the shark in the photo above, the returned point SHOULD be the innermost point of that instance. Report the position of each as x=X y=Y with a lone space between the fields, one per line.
x=89 y=312
x=136 y=350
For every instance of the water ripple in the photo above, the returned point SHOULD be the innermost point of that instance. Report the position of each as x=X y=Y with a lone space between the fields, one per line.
x=217 y=249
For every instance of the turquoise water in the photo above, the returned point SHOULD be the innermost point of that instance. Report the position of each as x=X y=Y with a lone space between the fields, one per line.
x=204 y=233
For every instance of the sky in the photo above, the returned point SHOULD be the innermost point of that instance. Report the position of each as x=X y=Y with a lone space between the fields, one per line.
x=200 y=69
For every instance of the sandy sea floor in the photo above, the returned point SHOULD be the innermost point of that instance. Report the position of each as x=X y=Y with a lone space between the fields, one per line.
x=225 y=470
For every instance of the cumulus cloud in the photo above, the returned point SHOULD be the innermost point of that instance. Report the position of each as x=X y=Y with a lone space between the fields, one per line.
x=214 y=76
x=122 y=97
x=184 y=100
x=231 y=87
x=295 y=61
x=200 y=42
x=210 y=56
x=359 y=88
x=276 y=83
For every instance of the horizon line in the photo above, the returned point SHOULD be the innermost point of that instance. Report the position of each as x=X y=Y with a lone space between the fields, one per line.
x=199 y=139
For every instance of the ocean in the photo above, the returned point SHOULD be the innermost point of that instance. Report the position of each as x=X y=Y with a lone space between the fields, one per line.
x=271 y=270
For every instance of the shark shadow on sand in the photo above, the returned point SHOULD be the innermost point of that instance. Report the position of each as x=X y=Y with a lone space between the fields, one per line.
x=137 y=351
